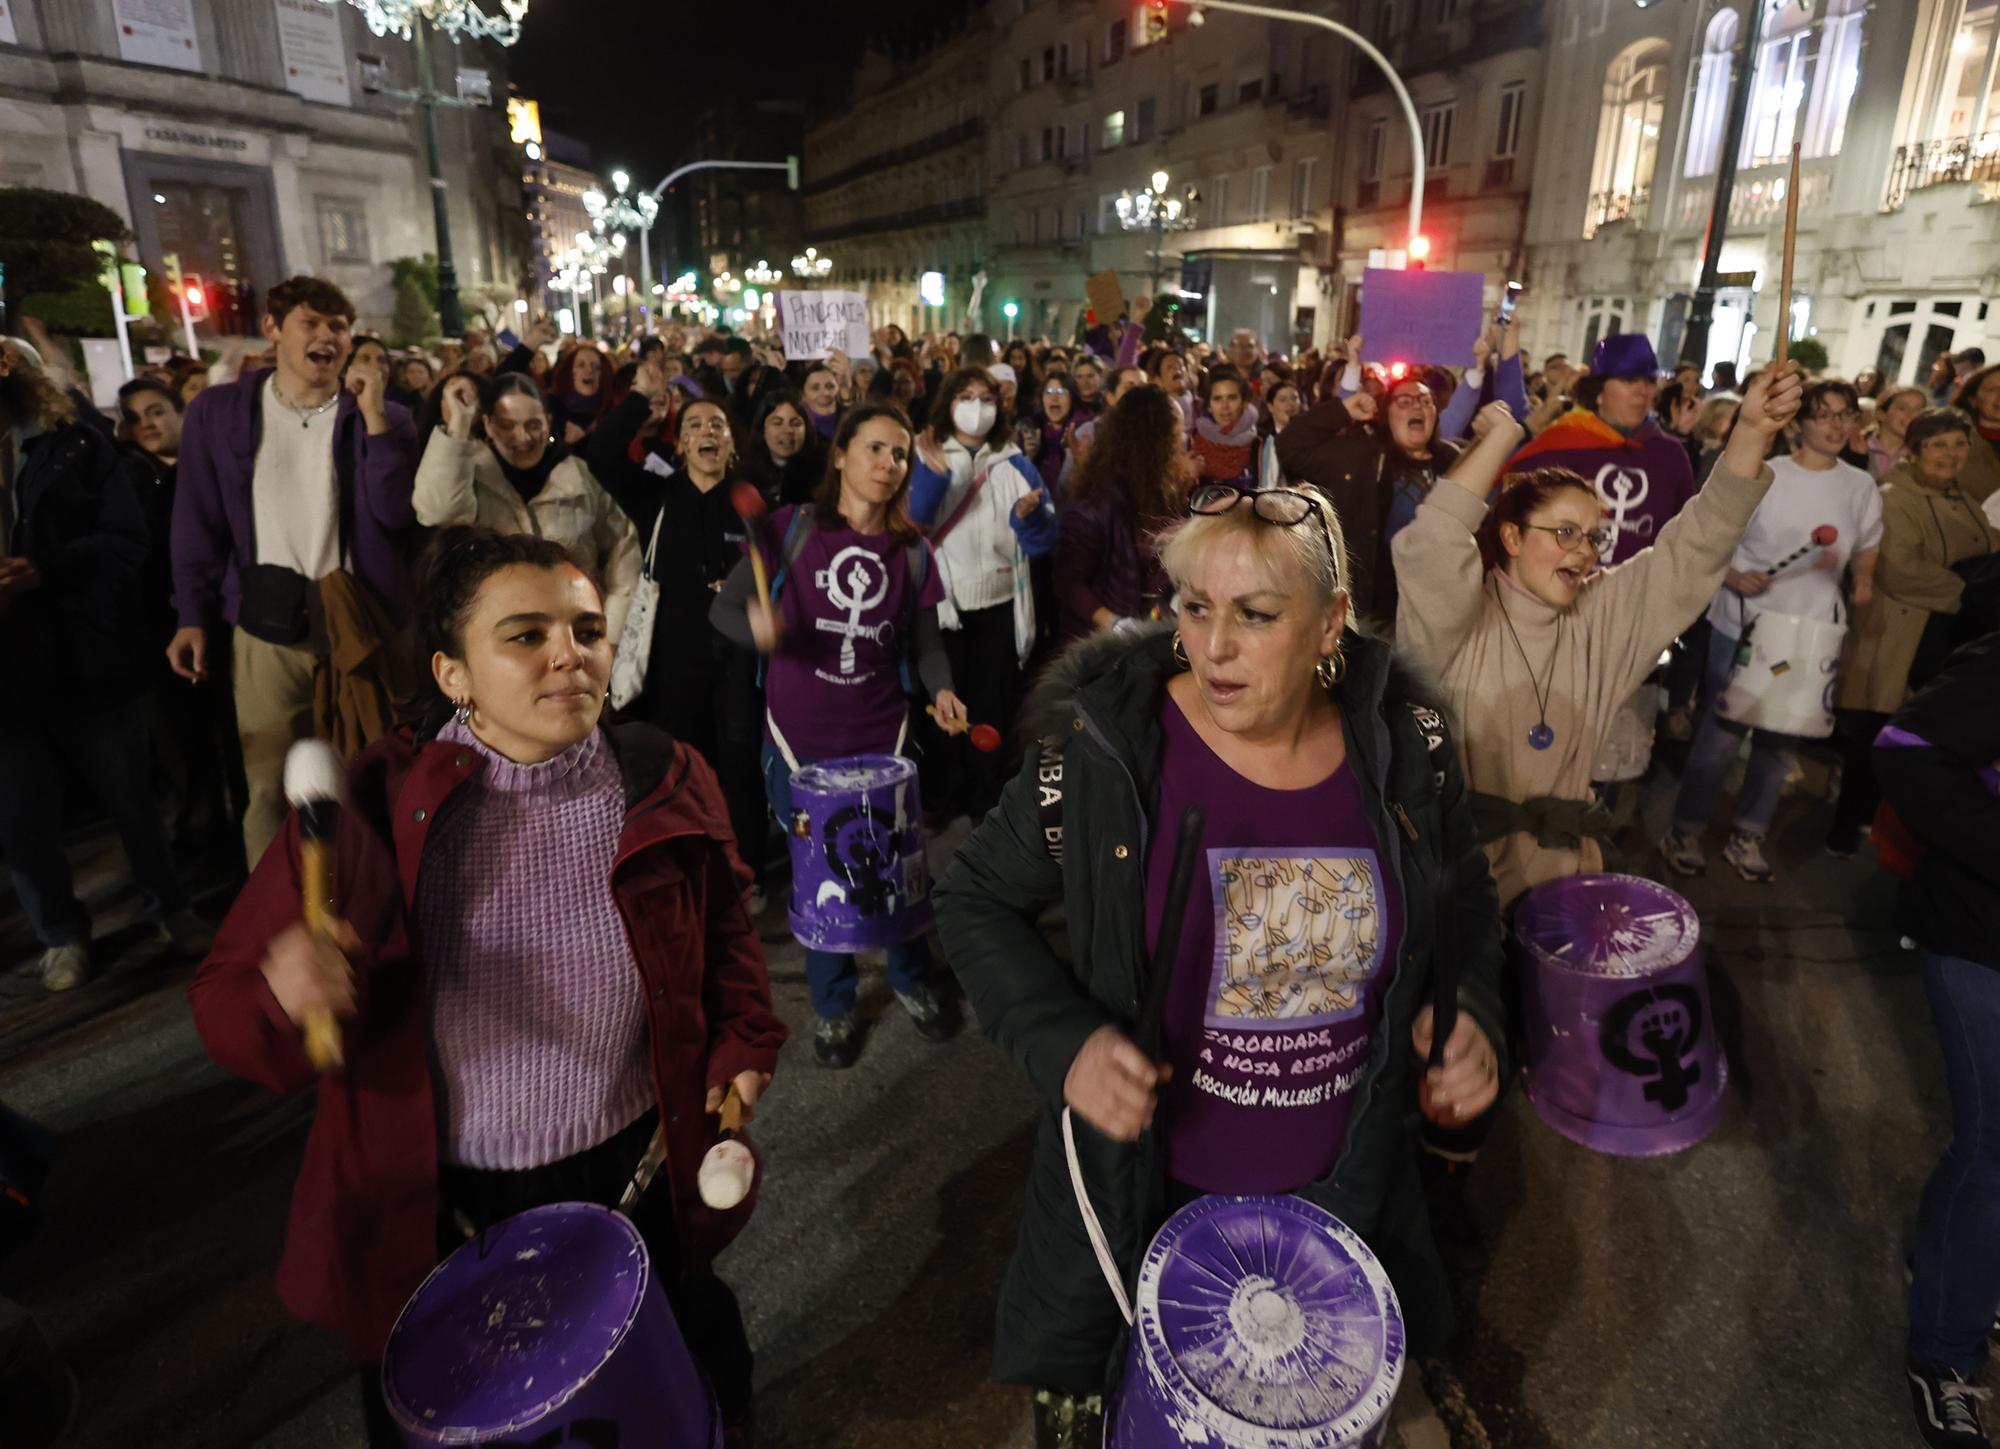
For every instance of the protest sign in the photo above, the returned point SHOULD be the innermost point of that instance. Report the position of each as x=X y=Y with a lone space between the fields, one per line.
x=1422 y=318
x=811 y=322
x=1107 y=298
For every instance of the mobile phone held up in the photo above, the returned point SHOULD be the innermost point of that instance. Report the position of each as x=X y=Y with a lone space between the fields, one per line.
x=1509 y=301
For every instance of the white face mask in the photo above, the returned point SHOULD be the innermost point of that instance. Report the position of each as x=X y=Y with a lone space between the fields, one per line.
x=974 y=416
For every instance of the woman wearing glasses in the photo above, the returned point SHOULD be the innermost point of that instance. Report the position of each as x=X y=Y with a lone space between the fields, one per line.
x=1339 y=863
x=1536 y=647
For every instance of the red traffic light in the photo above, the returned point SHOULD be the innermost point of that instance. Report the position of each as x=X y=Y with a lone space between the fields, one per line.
x=1420 y=248
x=1399 y=370
x=194 y=297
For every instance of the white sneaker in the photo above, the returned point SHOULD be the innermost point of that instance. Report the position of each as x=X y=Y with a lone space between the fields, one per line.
x=756 y=900
x=64 y=967
x=1746 y=853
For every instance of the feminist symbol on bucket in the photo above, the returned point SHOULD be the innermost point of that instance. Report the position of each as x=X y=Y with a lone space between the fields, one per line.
x=1649 y=1034
x=862 y=843
x=856 y=581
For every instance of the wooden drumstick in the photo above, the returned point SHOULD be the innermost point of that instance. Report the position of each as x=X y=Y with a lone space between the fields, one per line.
x=313 y=785
x=1791 y=245
x=750 y=507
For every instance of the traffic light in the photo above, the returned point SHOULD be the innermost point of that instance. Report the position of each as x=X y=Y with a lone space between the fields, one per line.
x=1155 y=21
x=137 y=303
x=1010 y=309
x=1420 y=251
x=195 y=294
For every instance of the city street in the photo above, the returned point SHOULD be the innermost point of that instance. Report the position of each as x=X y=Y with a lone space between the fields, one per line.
x=1746 y=1292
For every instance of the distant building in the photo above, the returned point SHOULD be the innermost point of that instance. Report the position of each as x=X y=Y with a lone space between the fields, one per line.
x=894 y=182
x=242 y=135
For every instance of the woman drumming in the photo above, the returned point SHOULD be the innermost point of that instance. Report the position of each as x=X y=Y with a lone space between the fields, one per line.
x=1535 y=647
x=520 y=480
x=857 y=603
x=501 y=1054
x=1306 y=746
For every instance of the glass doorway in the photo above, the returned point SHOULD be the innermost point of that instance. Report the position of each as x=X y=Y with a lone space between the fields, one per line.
x=204 y=224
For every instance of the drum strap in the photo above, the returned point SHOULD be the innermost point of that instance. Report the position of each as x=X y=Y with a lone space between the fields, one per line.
x=792 y=760
x=1091 y=1226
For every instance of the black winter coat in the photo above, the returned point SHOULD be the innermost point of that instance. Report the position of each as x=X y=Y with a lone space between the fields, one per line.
x=1098 y=713
x=1951 y=905
x=81 y=513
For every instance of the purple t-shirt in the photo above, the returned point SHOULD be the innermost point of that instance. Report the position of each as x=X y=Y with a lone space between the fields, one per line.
x=1289 y=944
x=836 y=687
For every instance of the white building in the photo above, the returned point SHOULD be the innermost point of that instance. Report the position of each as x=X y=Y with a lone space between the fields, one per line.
x=240 y=135
x=1894 y=109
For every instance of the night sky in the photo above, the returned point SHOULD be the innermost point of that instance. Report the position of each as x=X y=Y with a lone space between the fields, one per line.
x=628 y=76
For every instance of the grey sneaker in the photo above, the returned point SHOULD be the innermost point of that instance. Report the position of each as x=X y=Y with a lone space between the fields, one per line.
x=185 y=932
x=1681 y=849
x=64 y=967
x=756 y=900
x=1746 y=852
x=933 y=1020
x=836 y=1041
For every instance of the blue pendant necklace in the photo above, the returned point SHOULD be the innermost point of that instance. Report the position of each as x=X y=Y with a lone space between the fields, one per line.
x=1541 y=736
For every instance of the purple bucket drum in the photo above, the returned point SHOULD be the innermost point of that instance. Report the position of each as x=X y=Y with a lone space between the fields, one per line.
x=1622 y=1055
x=859 y=878
x=1261 y=1323
x=547 y=1329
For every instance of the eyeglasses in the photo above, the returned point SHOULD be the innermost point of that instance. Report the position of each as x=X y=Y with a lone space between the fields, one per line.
x=1286 y=507
x=1569 y=535
x=1055 y=392
x=713 y=425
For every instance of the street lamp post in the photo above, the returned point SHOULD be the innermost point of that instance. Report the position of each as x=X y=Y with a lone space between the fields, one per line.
x=622 y=213
x=811 y=266
x=1151 y=209
x=1361 y=42
x=790 y=166
x=413 y=19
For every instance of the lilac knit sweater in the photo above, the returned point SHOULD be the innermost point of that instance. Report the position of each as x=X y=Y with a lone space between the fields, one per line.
x=538 y=1028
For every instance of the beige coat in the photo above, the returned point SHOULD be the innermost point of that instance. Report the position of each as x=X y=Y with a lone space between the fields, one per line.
x=1587 y=660
x=1981 y=476
x=1924 y=532
x=461 y=482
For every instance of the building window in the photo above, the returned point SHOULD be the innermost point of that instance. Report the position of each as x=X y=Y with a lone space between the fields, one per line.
x=1020 y=152
x=1250 y=90
x=1207 y=98
x=1260 y=194
x=1373 y=148
x=1447 y=11
x=1076 y=232
x=1218 y=202
x=1062 y=59
x=1304 y=173
x=1628 y=134
x=1963 y=79
x=1114 y=131
x=1388 y=20
x=1711 y=94
x=1146 y=122
x=1114 y=42
x=1048 y=143
x=1026 y=77
x=343 y=231
x=1048 y=63
x=1436 y=123
x=1107 y=214
x=1507 y=144
x=1055 y=223
x=1840 y=73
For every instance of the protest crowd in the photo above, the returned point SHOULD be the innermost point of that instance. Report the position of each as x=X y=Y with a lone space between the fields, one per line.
x=603 y=624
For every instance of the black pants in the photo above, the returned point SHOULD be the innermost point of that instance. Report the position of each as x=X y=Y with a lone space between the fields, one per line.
x=986 y=673
x=1854 y=807
x=718 y=709
x=706 y=1310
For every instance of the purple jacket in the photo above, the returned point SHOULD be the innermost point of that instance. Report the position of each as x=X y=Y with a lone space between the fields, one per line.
x=1642 y=480
x=213 y=535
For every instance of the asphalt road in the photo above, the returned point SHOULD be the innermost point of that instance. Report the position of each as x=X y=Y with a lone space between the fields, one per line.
x=1745 y=1292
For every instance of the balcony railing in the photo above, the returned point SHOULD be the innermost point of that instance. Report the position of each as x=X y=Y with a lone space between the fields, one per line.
x=1962 y=158
x=1759 y=196
x=1606 y=207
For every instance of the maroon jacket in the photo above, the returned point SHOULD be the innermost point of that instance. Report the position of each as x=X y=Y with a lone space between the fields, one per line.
x=363 y=1229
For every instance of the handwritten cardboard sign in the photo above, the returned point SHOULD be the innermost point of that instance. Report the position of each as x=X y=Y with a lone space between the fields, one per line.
x=1107 y=298
x=1422 y=318
x=811 y=322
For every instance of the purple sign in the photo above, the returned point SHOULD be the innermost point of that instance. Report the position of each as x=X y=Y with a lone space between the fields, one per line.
x=1421 y=318
x=1621 y=1053
x=1261 y=1323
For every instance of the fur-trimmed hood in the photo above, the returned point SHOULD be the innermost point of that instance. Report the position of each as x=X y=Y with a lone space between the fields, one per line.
x=1110 y=667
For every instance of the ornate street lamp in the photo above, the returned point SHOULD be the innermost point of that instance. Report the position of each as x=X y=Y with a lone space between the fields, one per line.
x=626 y=213
x=763 y=275
x=461 y=20
x=1151 y=209
x=811 y=265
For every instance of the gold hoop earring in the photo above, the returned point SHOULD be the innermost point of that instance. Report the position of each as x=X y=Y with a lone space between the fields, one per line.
x=1180 y=651
x=1331 y=669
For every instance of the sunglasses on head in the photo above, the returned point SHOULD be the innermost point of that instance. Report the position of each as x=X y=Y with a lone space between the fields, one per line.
x=1285 y=507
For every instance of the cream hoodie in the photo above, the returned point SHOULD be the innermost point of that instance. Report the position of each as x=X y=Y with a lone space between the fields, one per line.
x=1450 y=620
